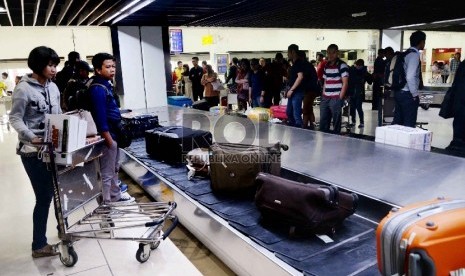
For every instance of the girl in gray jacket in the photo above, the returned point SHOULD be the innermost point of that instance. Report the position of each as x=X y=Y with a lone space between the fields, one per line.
x=33 y=97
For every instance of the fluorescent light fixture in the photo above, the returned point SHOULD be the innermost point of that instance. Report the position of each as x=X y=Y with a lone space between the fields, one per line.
x=358 y=14
x=130 y=5
x=408 y=26
x=133 y=10
x=448 y=21
x=113 y=16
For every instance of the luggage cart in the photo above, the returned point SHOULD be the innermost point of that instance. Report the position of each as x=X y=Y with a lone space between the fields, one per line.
x=81 y=213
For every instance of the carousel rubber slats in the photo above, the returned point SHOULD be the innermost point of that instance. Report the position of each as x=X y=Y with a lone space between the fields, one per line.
x=426 y=238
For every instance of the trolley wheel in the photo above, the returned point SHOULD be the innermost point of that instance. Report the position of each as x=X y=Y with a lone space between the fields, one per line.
x=425 y=106
x=140 y=255
x=154 y=245
x=72 y=258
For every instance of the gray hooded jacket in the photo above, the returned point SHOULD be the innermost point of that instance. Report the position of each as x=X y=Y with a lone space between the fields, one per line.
x=31 y=101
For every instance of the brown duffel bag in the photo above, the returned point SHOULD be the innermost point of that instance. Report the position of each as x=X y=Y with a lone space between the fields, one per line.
x=305 y=207
x=234 y=167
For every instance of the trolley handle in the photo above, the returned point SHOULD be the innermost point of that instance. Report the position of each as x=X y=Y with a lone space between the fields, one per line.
x=173 y=225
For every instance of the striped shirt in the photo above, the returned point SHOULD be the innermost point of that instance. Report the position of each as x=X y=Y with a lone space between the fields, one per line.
x=333 y=75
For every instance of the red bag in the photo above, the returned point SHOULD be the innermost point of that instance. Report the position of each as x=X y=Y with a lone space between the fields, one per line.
x=278 y=112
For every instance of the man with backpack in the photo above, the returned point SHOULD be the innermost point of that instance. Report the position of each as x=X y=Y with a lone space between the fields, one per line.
x=311 y=90
x=107 y=117
x=75 y=86
x=336 y=82
x=406 y=80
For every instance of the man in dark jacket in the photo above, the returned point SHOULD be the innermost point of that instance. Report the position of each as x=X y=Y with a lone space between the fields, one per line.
x=458 y=140
x=195 y=75
x=378 y=76
x=358 y=75
x=68 y=71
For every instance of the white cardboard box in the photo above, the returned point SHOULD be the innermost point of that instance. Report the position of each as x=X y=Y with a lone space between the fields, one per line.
x=55 y=126
x=415 y=138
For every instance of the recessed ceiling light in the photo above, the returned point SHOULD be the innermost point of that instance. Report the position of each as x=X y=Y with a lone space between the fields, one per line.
x=358 y=14
x=3 y=10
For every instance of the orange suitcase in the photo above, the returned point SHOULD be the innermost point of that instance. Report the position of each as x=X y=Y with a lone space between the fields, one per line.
x=423 y=239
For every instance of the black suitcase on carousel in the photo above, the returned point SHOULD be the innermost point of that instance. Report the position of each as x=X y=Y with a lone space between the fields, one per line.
x=171 y=144
x=201 y=105
x=138 y=123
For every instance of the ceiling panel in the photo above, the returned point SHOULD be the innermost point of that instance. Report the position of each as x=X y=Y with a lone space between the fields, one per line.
x=334 y=14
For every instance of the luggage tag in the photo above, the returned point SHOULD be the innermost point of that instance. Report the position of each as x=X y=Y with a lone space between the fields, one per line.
x=325 y=238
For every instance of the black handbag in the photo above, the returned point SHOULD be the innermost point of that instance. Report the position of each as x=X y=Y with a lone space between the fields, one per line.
x=447 y=105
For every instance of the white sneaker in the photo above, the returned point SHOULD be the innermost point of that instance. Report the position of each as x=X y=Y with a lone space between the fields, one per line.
x=124 y=199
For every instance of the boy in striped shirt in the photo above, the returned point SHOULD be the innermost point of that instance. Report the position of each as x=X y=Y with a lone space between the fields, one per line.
x=336 y=82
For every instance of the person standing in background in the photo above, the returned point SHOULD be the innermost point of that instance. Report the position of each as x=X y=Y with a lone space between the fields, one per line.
x=178 y=72
x=8 y=83
x=454 y=65
x=204 y=66
x=296 y=91
x=336 y=76
x=378 y=77
x=195 y=75
x=186 y=82
x=358 y=76
x=68 y=71
x=407 y=98
x=274 y=78
x=210 y=94
x=320 y=67
x=33 y=98
x=242 y=80
x=257 y=96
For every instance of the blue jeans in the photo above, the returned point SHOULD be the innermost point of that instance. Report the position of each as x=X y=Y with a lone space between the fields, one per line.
x=294 y=110
x=256 y=101
x=406 y=109
x=42 y=184
x=356 y=104
x=330 y=109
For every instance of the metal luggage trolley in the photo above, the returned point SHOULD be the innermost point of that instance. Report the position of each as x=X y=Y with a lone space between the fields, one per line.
x=77 y=199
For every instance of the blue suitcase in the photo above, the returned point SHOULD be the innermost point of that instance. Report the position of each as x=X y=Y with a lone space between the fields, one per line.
x=179 y=101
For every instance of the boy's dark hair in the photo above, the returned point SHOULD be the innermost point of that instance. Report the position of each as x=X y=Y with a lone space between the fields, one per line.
x=253 y=62
x=389 y=50
x=179 y=62
x=204 y=62
x=40 y=57
x=5 y=74
x=333 y=46
x=235 y=60
x=416 y=38
x=72 y=56
x=279 y=56
x=98 y=59
x=320 y=55
x=196 y=58
x=293 y=47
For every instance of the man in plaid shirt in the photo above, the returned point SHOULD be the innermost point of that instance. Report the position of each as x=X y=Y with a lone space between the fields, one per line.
x=454 y=64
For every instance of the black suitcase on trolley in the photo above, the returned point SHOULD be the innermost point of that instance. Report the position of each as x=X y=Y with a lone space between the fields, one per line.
x=172 y=143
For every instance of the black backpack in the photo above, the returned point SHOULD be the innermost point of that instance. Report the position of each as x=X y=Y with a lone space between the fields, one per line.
x=394 y=76
x=310 y=78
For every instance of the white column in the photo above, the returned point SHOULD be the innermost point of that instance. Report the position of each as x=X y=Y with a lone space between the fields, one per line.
x=154 y=66
x=392 y=38
x=142 y=66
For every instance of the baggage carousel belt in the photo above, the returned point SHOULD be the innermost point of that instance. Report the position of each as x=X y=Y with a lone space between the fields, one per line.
x=351 y=252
